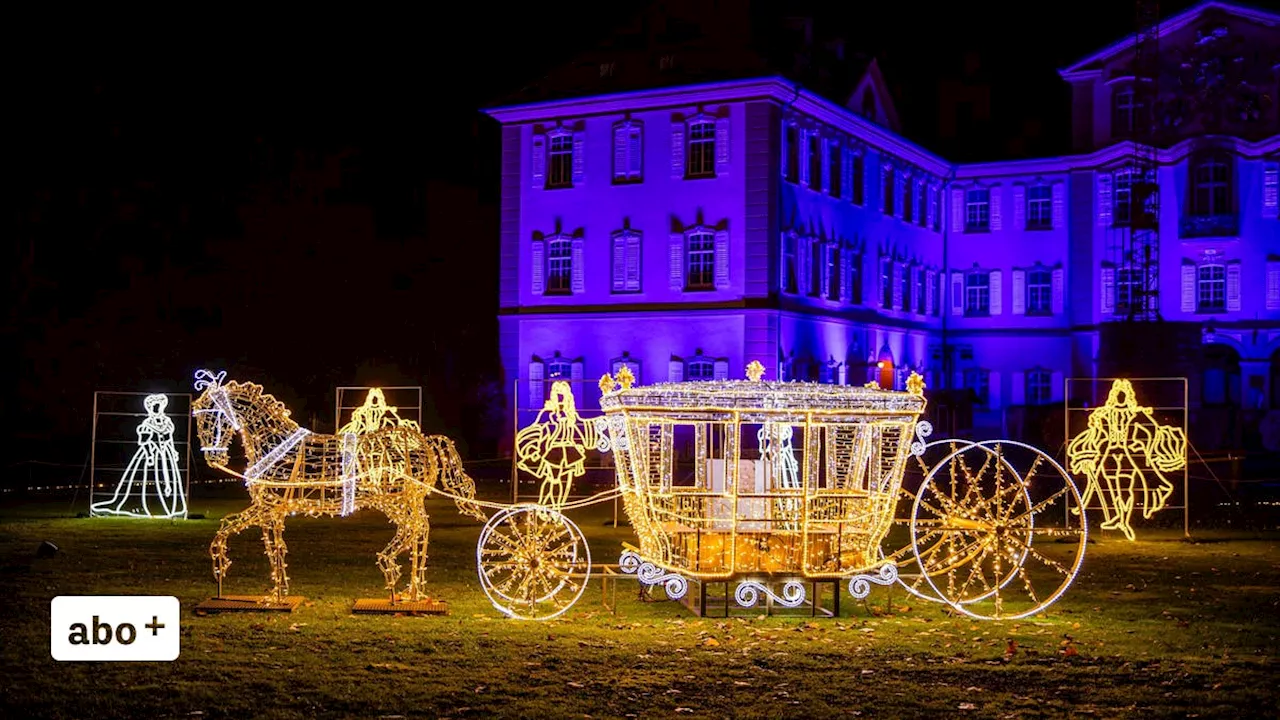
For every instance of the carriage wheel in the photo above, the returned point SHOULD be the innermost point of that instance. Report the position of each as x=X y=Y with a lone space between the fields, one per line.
x=996 y=531
x=533 y=561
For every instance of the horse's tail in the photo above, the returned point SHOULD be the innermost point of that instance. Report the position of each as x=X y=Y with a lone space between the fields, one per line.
x=454 y=478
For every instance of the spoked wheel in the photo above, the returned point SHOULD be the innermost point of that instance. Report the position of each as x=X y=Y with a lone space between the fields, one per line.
x=534 y=562
x=995 y=529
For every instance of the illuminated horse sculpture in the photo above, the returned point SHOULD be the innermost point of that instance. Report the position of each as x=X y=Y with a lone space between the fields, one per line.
x=293 y=470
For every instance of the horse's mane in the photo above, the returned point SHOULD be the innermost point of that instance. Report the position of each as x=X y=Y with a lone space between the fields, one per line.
x=254 y=391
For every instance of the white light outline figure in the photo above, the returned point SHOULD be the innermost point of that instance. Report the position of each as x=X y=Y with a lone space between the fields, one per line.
x=153 y=471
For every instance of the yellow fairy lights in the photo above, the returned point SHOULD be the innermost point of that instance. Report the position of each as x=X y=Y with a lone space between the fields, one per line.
x=1125 y=455
x=554 y=447
x=374 y=415
x=290 y=470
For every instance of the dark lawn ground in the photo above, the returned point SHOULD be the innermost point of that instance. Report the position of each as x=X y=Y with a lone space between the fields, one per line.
x=1157 y=628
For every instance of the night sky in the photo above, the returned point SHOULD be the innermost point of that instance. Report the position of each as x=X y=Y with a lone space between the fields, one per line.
x=153 y=154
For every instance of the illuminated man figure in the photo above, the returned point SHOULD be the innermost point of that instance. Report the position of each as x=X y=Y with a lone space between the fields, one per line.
x=554 y=447
x=152 y=482
x=374 y=415
x=1121 y=447
x=779 y=454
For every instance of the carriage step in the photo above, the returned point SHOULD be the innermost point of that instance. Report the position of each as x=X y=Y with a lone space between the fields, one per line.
x=383 y=606
x=247 y=603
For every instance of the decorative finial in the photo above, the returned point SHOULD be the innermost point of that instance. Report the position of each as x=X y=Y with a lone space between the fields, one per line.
x=209 y=379
x=915 y=384
x=755 y=371
x=625 y=377
x=606 y=383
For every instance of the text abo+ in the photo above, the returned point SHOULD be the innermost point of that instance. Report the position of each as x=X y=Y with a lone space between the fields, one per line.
x=114 y=628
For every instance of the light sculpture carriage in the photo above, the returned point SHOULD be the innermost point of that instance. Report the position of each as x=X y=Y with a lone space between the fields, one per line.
x=775 y=486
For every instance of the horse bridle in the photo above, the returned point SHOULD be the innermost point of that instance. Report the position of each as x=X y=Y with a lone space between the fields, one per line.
x=222 y=404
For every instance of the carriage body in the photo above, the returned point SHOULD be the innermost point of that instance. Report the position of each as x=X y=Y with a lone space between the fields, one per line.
x=730 y=479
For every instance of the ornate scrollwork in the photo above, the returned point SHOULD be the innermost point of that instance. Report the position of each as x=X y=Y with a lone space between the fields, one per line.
x=748 y=592
x=860 y=585
x=924 y=429
x=649 y=574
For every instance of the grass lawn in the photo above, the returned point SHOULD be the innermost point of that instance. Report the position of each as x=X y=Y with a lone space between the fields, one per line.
x=1157 y=628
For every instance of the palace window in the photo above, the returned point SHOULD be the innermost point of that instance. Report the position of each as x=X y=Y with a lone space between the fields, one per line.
x=977 y=293
x=1211 y=288
x=628 y=155
x=833 y=272
x=855 y=279
x=628 y=362
x=817 y=266
x=1039 y=292
x=559 y=266
x=977 y=210
x=919 y=281
x=815 y=161
x=858 y=175
x=789 y=283
x=1130 y=288
x=1038 y=386
x=907 y=274
x=792 y=160
x=700 y=259
x=886 y=283
x=701 y=155
x=887 y=183
x=835 y=166
x=1040 y=207
x=977 y=380
x=700 y=368
x=1211 y=187
x=1124 y=111
x=626 y=261
x=922 y=205
x=908 y=200
x=560 y=161
x=542 y=373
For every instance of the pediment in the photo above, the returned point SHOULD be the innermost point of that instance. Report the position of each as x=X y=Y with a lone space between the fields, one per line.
x=871 y=99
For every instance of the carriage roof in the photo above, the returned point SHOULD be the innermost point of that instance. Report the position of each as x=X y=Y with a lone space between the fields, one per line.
x=844 y=402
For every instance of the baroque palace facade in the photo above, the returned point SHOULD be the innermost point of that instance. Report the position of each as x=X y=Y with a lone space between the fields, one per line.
x=685 y=231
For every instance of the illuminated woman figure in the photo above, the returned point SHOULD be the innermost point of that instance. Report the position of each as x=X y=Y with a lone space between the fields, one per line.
x=554 y=448
x=1122 y=449
x=374 y=415
x=152 y=482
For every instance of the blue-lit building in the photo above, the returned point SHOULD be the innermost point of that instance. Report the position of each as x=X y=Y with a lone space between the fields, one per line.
x=690 y=228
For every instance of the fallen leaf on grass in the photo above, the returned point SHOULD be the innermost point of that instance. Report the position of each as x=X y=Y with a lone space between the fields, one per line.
x=576 y=685
x=710 y=642
x=967 y=706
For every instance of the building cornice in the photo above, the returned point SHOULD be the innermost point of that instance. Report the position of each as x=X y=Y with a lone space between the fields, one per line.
x=1114 y=155
x=776 y=89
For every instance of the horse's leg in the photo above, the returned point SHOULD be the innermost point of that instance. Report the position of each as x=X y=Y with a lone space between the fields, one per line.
x=273 y=539
x=231 y=525
x=418 y=551
x=388 y=558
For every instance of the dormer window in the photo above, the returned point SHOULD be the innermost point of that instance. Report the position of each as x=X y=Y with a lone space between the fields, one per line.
x=1124 y=110
x=1211 y=186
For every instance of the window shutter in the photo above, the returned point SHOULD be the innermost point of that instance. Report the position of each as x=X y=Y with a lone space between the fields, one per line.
x=1019 y=292
x=802 y=155
x=993 y=390
x=1188 y=287
x=633 y=263
x=1104 y=199
x=900 y=181
x=996 y=303
x=578 y=280
x=825 y=254
x=675 y=370
x=538 y=265
x=1059 y=206
x=824 y=146
x=1019 y=209
x=898 y=271
x=677 y=150
x=1059 y=291
x=1271 y=190
x=846 y=175
x=635 y=150
x=619 y=263
x=931 y=207
x=575 y=372
x=1233 y=286
x=957 y=293
x=996 y=198
x=1108 y=304
x=782 y=166
x=929 y=299
x=1273 y=284
x=846 y=275
x=621 y=146
x=579 y=157
x=720 y=370
x=957 y=210
x=536 y=392
x=676 y=262
x=1017 y=389
x=722 y=260
x=803 y=257
x=1056 y=382
x=538 y=161
x=722 y=146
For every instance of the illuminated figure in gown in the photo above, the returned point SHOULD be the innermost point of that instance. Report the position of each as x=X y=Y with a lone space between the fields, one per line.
x=554 y=447
x=1121 y=452
x=152 y=482
x=778 y=451
x=374 y=415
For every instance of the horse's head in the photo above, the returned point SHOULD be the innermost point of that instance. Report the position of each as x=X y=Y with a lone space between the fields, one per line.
x=216 y=419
